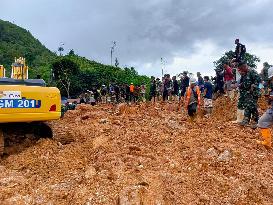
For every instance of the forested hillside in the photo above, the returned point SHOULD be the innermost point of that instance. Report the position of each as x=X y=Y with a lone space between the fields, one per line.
x=18 y=42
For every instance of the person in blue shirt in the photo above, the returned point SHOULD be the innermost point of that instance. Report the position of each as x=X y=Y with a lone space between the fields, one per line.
x=208 y=91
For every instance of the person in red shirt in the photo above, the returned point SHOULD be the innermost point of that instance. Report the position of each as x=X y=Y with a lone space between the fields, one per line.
x=228 y=78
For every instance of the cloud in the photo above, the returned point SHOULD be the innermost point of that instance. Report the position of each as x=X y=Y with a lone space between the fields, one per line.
x=186 y=33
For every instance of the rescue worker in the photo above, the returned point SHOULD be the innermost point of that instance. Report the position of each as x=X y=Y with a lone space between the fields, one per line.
x=240 y=51
x=228 y=78
x=167 y=83
x=158 y=89
x=117 y=92
x=185 y=81
x=104 y=92
x=200 y=81
x=132 y=90
x=152 y=89
x=219 y=82
x=208 y=91
x=192 y=99
x=92 y=98
x=137 y=93
x=127 y=93
x=249 y=94
x=143 y=92
x=175 y=91
x=266 y=121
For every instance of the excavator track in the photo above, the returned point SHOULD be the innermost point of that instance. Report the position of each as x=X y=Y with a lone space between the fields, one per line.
x=60 y=134
x=15 y=137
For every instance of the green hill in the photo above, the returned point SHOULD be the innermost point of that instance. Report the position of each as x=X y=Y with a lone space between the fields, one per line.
x=18 y=42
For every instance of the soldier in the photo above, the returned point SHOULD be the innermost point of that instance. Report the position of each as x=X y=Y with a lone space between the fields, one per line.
x=249 y=94
x=266 y=121
x=240 y=51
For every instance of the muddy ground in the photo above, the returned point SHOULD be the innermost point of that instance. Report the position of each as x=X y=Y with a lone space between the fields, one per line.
x=144 y=154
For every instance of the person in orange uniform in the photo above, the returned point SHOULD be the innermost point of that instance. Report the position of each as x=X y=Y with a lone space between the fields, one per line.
x=192 y=98
x=266 y=121
x=132 y=90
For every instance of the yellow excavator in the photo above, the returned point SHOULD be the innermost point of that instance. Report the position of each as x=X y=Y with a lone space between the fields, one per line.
x=24 y=100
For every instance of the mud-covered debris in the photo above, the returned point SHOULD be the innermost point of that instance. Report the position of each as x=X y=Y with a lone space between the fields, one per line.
x=212 y=152
x=90 y=172
x=225 y=156
x=103 y=121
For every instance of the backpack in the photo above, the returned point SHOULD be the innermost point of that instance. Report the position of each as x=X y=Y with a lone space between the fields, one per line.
x=243 y=49
x=194 y=93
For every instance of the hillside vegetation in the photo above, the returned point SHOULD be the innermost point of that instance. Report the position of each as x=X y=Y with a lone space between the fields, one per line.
x=18 y=42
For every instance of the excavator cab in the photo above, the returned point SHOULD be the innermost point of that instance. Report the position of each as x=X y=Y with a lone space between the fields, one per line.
x=24 y=100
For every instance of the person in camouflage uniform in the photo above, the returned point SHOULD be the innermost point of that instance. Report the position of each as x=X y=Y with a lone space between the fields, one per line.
x=249 y=94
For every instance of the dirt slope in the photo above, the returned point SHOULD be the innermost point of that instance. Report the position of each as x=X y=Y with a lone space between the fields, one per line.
x=145 y=154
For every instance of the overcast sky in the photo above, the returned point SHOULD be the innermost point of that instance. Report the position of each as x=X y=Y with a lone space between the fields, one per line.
x=188 y=34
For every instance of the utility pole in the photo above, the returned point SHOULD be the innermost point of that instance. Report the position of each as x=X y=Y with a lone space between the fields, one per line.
x=112 y=51
x=163 y=66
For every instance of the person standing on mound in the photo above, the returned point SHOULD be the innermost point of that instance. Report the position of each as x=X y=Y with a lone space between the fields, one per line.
x=192 y=99
x=266 y=121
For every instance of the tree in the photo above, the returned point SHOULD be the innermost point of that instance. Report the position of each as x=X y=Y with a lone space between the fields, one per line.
x=71 y=52
x=60 y=49
x=65 y=72
x=116 y=62
x=250 y=59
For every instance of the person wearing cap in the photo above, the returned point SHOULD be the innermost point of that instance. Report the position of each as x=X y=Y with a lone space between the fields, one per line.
x=266 y=121
x=249 y=94
x=192 y=98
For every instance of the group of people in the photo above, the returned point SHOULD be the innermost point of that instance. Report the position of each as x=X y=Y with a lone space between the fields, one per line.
x=187 y=90
x=114 y=94
x=248 y=84
x=234 y=75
